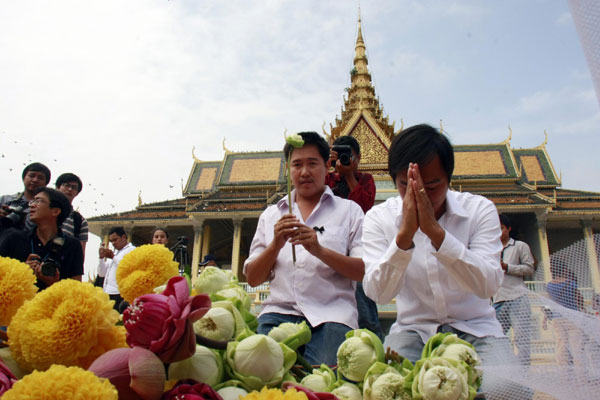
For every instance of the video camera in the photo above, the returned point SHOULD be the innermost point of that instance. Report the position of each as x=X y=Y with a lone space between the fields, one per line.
x=51 y=262
x=15 y=216
x=344 y=153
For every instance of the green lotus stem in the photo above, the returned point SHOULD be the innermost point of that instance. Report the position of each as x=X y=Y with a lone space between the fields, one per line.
x=289 y=192
x=300 y=360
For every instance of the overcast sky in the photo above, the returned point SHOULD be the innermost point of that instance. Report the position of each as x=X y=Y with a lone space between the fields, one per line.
x=119 y=92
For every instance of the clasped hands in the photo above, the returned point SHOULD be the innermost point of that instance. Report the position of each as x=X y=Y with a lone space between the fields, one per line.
x=417 y=212
x=289 y=229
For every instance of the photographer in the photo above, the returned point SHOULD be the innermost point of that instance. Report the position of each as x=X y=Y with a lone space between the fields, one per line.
x=51 y=254
x=346 y=181
x=109 y=262
x=359 y=187
x=14 y=209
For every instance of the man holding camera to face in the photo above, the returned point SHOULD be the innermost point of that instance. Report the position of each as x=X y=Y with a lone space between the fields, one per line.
x=14 y=209
x=347 y=182
x=50 y=254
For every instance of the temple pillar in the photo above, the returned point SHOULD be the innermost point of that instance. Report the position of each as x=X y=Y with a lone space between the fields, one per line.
x=235 y=253
x=104 y=235
x=196 y=250
x=129 y=233
x=592 y=257
x=544 y=249
x=205 y=242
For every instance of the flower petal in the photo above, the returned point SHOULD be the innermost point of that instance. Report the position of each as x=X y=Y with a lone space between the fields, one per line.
x=147 y=373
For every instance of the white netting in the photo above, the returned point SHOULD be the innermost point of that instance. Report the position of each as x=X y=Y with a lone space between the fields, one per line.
x=586 y=14
x=560 y=332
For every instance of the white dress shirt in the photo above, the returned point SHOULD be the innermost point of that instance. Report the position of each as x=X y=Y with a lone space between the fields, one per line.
x=311 y=288
x=107 y=268
x=517 y=256
x=452 y=285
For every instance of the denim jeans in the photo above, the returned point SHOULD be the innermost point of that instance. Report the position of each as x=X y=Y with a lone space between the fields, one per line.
x=517 y=314
x=324 y=342
x=368 y=317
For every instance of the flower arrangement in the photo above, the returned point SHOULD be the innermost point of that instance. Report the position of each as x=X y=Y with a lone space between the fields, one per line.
x=17 y=285
x=145 y=268
x=60 y=382
x=69 y=323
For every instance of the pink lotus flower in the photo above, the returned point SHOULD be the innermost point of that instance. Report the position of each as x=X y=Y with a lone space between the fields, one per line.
x=190 y=389
x=7 y=378
x=163 y=323
x=136 y=373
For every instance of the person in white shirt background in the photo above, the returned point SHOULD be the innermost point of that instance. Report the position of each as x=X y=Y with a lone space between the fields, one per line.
x=435 y=250
x=511 y=301
x=326 y=231
x=109 y=262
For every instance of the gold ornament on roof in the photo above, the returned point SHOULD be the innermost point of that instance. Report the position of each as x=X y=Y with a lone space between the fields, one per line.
x=194 y=155
x=227 y=151
x=140 y=198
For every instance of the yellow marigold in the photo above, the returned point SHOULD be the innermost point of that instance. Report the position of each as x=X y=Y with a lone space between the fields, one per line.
x=145 y=268
x=60 y=382
x=274 y=394
x=69 y=323
x=17 y=285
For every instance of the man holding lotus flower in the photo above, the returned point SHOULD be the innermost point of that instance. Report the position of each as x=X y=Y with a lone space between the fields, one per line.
x=318 y=284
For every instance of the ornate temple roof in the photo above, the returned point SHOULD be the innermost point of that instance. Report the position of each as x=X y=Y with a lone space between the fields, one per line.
x=245 y=183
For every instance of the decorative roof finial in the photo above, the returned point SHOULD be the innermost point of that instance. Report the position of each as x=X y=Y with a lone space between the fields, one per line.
x=545 y=139
x=227 y=151
x=327 y=136
x=441 y=127
x=194 y=155
x=140 y=198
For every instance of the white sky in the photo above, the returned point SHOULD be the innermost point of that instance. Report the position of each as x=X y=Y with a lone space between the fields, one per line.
x=119 y=92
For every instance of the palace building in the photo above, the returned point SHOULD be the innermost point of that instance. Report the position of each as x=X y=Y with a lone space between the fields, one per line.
x=222 y=200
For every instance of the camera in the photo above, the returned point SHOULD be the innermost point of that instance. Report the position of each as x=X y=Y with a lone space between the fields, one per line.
x=344 y=153
x=52 y=260
x=16 y=216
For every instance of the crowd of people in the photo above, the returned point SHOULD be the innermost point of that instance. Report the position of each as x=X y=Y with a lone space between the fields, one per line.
x=447 y=258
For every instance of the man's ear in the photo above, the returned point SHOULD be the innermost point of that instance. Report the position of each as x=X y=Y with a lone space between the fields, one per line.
x=328 y=164
x=55 y=212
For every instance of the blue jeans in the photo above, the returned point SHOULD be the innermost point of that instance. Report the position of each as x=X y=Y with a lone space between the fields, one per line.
x=517 y=314
x=324 y=342
x=368 y=316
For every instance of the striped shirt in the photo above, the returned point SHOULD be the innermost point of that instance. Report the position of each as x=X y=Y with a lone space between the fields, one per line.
x=68 y=227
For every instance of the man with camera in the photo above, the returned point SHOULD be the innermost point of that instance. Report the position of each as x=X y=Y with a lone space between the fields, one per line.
x=109 y=262
x=14 y=209
x=51 y=254
x=347 y=182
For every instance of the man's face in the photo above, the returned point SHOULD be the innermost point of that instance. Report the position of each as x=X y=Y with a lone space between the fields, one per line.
x=308 y=171
x=505 y=233
x=117 y=241
x=435 y=182
x=69 y=189
x=34 y=180
x=40 y=209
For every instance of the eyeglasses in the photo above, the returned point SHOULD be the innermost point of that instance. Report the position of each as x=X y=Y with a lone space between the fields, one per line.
x=70 y=186
x=38 y=201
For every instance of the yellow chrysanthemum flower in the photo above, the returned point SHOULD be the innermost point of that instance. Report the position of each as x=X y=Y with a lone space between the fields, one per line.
x=17 y=285
x=275 y=394
x=60 y=382
x=69 y=323
x=143 y=269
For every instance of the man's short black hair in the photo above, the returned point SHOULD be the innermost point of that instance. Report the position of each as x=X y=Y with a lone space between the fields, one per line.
x=69 y=177
x=420 y=144
x=118 y=230
x=348 y=141
x=37 y=167
x=310 y=138
x=57 y=200
x=505 y=220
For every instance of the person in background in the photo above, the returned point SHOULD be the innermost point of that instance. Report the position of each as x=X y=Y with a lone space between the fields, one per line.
x=109 y=262
x=75 y=225
x=347 y=182
x=510 y=301
x=209 y=261
x=160 y=236
x=14 y=209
